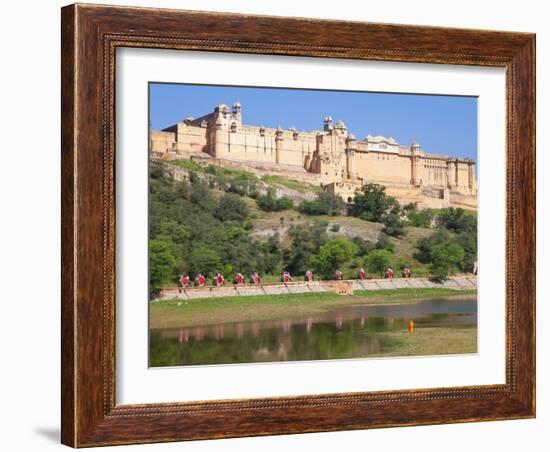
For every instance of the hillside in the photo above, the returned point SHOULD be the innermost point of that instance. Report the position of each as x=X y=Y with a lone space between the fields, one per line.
x=208 y=219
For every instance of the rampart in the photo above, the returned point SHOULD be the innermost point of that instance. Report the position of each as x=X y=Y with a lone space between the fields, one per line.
x=331 y=155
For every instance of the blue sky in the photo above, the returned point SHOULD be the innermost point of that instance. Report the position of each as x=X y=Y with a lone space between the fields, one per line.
x=441 y=124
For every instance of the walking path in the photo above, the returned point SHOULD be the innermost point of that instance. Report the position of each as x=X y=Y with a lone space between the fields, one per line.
x=342 y=287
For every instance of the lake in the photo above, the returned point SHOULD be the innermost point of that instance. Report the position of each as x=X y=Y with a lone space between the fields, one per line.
x=354 y=331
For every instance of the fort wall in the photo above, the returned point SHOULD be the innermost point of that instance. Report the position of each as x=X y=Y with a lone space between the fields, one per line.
x=392 y=168
x=162 y=143
x=330 y=155
x=264 y=145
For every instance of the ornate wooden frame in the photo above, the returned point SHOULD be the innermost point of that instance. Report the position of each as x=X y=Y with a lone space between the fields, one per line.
x=90 y=35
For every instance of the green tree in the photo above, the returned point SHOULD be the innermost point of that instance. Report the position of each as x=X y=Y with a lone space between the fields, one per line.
x=372 y=203
x=467 y=224
x=468 y=241
x=332 y=255
x=424 y=246
x=457 y=220
x=234 y=233
x=393 y=225
x=231 y=207
x=272 y=254
x=446 y=258
x=378 y=261
x=161 y=264
x=191 y=222
x=204 y=260
x=171 y=230
x=307 y=239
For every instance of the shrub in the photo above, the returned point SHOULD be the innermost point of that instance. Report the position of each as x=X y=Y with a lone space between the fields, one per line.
x=270 y=203
x=420 y=219
x=401 y=264
x=393 y=225
x=231 y=208
x=156 y=172
x=424 y=246
x=446 y=258
x=378 y=261
x=201 y=195
x=384 y=243
x=364 y=247
x=410 y=207
x=420 y=272
x=332 y=255
x=325 y=204
x=457 y=220
x=465 y=240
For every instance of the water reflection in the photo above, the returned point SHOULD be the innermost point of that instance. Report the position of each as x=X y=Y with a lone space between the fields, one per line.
x=347 y=332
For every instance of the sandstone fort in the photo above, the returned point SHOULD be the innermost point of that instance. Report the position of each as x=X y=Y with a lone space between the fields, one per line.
x=330 y=157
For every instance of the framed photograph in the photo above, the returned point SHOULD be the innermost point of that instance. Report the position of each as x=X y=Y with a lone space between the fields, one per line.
x=281 y=225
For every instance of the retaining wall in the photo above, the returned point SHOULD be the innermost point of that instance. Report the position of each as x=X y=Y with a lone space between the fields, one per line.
x=342 y=287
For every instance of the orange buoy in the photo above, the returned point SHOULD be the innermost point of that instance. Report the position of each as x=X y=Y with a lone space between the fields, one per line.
x=411 y=326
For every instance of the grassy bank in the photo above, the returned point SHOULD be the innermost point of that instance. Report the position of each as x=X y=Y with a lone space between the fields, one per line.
x=430 y=341
x=179 y=313
x=292 y=184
